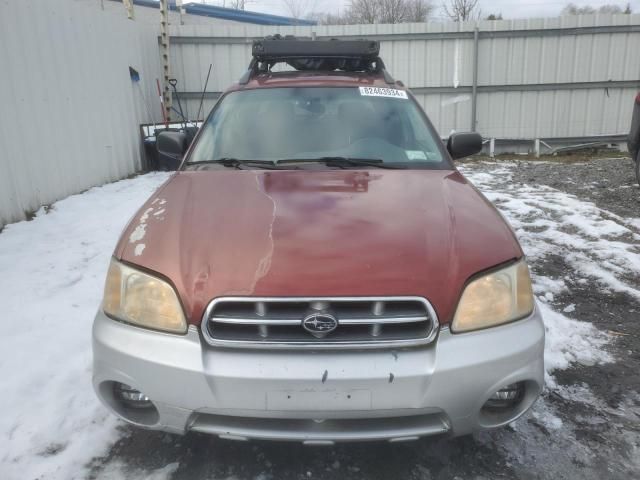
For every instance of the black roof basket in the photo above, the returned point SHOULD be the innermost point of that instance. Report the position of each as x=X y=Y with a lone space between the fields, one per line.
x=304 y=53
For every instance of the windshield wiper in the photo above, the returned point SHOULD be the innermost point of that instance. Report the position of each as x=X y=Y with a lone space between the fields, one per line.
x=235 y=162
x=342 y=162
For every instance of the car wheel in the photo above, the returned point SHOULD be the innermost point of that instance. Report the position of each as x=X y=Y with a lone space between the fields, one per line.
x=638 y=168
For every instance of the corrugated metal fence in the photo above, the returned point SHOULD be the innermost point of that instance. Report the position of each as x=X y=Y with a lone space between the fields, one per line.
x=70 y=112
x=546 y=78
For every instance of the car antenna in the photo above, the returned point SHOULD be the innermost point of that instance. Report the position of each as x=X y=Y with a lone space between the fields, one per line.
x=204 y=89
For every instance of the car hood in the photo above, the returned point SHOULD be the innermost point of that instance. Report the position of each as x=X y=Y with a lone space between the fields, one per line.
x=376 y=232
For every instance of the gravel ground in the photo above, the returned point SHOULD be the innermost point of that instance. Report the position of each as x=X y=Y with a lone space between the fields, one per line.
x=610 y=182
x=585 y=426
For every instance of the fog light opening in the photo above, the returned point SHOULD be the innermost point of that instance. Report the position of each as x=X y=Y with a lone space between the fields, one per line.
x=508 y=403
x=505 y=398
x=129 y=403
x=130 y=397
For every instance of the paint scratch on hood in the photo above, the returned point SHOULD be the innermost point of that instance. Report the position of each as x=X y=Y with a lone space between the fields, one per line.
x=141 y=229
x=138 y=234
x=139 y=249
x=145 y=215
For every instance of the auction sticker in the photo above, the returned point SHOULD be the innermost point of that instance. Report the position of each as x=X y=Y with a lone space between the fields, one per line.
x=383 y=92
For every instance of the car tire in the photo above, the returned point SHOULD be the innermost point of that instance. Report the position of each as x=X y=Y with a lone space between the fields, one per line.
x=638 y=168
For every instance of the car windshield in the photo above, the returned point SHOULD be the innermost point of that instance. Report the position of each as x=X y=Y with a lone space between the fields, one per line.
x=280 y=124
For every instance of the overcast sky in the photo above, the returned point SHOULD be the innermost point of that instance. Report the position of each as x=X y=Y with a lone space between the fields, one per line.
x=508 y=8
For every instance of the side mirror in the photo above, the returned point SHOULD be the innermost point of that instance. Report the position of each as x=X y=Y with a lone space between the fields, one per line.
x=171 y=146
x=462 y=145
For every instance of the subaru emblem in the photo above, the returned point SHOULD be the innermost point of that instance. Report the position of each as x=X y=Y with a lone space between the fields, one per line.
x=319 y=324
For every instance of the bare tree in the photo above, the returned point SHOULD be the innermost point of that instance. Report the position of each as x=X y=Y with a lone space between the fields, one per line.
x=237 y=4
x=391 y=11
x=363 y=11
x=614 y=9
x=573 y=9
x=461 y=10
x=300 y=8
x=388 y=11
x=324 y=18
x=419 y=11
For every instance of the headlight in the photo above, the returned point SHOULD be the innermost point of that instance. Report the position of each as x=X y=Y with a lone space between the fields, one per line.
x=136 y=297
x=498 y=297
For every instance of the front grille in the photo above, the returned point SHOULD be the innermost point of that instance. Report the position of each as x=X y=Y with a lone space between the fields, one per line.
x=336 y=322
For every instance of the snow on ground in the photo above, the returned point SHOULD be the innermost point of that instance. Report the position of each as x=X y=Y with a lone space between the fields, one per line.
x=52 y=273
x=570 y=341
x=595 y=242
x=117 y=471
x=549 y=221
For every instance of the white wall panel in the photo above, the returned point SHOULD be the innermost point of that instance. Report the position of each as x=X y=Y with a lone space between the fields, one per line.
x=548 y=114
x=70 y=112
x=523 y=59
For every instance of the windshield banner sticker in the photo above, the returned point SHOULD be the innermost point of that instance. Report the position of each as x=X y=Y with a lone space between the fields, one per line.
x=383 y=92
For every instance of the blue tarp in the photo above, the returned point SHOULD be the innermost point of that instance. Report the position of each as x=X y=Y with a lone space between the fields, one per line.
x=229 y=13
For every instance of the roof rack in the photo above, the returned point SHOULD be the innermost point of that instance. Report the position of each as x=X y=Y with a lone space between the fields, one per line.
x=304 y=53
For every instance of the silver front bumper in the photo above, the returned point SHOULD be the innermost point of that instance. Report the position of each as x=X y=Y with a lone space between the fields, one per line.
x=319 y=396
